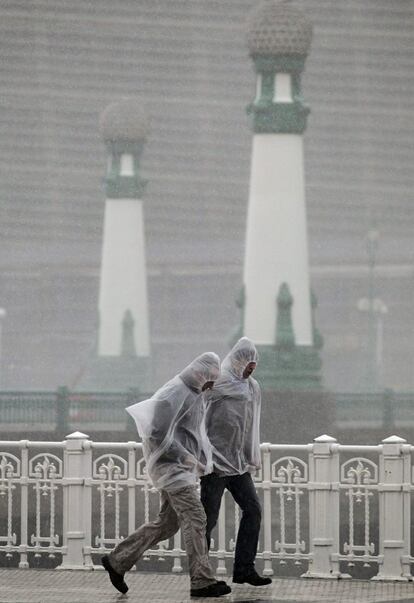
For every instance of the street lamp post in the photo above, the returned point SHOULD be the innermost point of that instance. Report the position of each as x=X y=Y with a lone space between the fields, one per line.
x=372 y=248
x=376 y=309
x=2 y=316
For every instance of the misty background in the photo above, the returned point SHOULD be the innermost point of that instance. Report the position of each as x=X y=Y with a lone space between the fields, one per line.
x=63 y=62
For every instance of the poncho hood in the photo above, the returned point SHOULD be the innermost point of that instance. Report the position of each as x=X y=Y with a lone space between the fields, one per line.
x=202 y=369
x=241 y=354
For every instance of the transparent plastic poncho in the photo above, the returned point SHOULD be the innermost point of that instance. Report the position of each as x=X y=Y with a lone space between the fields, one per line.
x=233 y=414
x=171 y=426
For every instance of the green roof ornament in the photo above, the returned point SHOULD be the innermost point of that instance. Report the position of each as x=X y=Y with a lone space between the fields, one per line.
x=317 y=337
x=285 y=337
x=128 y=343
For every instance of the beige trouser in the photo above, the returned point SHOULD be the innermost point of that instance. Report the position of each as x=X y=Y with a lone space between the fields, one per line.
x=179 y=509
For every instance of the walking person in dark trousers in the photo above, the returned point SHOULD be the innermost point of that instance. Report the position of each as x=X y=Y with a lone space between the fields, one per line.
x=176 y=451
x=233 y=428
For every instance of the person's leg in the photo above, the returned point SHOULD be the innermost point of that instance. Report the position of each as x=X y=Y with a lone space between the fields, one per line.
x=212 y=488
x=192 y=519
x=130 y=550
x=244 y=493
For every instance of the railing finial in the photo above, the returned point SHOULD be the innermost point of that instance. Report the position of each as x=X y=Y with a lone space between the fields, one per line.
x=325 y=439
x=77 y=435
x=394 y=439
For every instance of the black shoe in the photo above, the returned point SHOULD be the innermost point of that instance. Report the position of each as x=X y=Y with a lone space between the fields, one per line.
x=116 y=579
x=212 y=590
x=252 y=578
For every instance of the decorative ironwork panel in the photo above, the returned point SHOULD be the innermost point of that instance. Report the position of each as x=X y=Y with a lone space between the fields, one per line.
x=359 y=479
x=9 y=477
x=45 y=475
x=289 y=476
x=111 y=473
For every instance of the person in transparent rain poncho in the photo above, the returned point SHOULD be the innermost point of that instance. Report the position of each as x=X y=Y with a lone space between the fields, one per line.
x=233 y=428
x=177 y=452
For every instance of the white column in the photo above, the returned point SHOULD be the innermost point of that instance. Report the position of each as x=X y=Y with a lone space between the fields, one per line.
x=276 y=241
x=123 y=283
x=23 y=562
x=176 y=553
x=221 y=549
x=324 y=509
x=283 y=88
x=267 y=510
x=132 y=485
x=76 y=502
x=394 y=509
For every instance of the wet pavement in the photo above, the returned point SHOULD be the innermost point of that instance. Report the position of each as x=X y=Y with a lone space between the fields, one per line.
x=65 y=586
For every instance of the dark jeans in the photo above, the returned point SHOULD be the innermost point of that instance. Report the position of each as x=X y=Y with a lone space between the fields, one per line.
x=244 y=493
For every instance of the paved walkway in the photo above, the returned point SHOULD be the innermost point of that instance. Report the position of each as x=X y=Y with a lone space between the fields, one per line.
x=54 y=586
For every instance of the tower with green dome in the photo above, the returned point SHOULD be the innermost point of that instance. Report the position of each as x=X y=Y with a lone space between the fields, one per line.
x=278 y=303
x=123 y=343
x=123 y=305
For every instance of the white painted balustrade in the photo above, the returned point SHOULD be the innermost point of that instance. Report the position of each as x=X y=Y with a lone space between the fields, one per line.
x=328 y=508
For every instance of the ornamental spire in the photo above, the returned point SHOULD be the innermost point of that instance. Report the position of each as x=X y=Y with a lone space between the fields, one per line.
x=124 y=127
x=278 y=38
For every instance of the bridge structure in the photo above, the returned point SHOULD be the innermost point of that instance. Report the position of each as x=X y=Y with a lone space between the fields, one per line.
x=52 y=414
x=336 y=523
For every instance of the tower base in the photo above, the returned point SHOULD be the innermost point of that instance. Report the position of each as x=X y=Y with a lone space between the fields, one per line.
x=289 y=368
x=116 y=374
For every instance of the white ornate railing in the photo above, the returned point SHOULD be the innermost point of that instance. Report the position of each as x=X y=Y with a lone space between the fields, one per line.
x=326 y=507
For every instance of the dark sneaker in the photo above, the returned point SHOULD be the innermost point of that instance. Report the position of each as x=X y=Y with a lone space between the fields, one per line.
x=252 y=578
x=116 y=579
x=212 y=590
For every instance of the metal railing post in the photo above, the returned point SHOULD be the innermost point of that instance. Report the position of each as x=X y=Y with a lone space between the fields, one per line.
x=324 y=509
x=76 y=502
x=267 y=510
x=221 y=549
x=24 y=508
x=394 y=510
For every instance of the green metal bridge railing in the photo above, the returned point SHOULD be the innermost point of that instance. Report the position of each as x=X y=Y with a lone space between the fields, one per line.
x=63 y=411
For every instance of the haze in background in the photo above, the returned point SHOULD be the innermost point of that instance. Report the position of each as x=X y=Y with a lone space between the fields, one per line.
x=62 y=63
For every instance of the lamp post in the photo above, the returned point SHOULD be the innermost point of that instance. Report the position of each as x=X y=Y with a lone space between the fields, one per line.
x=2 y=316
x=376 y=309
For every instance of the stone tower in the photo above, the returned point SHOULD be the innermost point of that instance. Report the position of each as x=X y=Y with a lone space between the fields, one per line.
x=123 y=344
x=278 y=302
